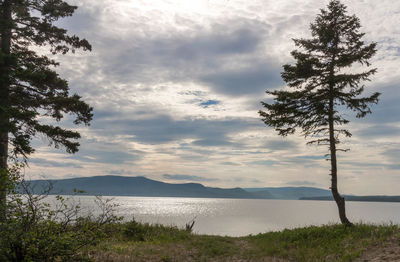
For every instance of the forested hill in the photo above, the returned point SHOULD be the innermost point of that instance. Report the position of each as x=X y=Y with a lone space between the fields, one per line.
x=135 y=186
x=142 y=186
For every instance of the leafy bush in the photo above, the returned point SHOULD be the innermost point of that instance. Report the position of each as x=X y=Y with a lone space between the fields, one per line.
x=34 y=230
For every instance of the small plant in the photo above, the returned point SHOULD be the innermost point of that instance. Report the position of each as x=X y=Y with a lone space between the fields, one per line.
x=189 y=225
x=134 y=231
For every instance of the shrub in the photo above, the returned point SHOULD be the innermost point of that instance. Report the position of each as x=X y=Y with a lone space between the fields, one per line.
x=34 y=230
x=135 y=231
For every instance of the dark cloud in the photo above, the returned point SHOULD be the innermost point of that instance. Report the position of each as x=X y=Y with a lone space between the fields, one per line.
x=388 y=108
x=49 y=163
x=394 y=167
x=189 y=178
x=269 y=163
x=83 y=22
x=177 y=56
x=104 y=114
x=228 y=56
x=393 y=156
x=382 y=130
x=107 y=153
x=251 y=80
x=280 y=144
x=392 y=153
x=107 y=156
x=213 y=142
x=163 y=129
x=229 y=163
x=310 y=157
x=238 y=38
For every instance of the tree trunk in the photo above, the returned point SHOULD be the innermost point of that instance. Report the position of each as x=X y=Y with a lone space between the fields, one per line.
x=332 y=140
x=5 y=32
x=332 y=146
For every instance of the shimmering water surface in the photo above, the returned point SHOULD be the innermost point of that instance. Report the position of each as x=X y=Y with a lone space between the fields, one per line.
x=239 y=217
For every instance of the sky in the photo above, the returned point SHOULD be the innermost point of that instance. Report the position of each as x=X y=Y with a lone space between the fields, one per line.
x=176 y=87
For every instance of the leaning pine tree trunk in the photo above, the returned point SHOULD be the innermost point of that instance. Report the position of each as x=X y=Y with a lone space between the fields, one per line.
x=332 y=146
x=6 y=22
x=338 y=198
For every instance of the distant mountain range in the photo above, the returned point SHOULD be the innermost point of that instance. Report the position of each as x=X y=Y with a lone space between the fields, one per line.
x=141 y=186
x=136 y=186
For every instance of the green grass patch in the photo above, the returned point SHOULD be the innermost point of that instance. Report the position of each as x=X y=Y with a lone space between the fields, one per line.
x=214 y=246
x=133 y=241
x=325 y=243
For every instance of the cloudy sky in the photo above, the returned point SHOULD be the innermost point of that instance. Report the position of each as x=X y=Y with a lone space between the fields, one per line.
x=176 y=86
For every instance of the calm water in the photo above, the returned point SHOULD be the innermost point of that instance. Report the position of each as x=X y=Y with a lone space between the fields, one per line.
x=239 y=217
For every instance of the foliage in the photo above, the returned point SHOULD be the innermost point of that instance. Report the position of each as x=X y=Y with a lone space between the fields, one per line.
x=38 y=230
x=32 y=93
x=319 y=78
x=31 y=89
x=321 y=89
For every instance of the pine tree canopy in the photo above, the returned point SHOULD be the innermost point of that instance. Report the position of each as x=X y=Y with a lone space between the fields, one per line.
x=322 y=84
x=320 y=81
x=31 y=91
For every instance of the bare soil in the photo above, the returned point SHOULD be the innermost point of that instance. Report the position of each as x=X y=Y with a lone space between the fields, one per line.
x=390 y=251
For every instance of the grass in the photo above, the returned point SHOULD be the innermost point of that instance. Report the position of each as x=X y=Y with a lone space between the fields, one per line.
x=326 y=243
x=133 y=241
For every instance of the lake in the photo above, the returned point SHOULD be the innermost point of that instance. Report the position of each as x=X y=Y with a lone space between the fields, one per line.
x=239 y=217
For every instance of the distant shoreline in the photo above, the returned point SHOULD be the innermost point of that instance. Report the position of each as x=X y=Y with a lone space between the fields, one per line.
x=357 y=198
x=143 y=187
x=386 y=199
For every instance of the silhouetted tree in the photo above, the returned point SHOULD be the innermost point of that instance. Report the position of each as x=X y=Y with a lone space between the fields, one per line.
x=30 y=89
x=320 y=83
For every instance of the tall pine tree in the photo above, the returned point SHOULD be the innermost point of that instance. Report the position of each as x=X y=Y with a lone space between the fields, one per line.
x=30 y=89
x=320 y=84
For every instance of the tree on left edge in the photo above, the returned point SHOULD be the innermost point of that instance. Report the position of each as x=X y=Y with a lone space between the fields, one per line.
x=30 y=88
